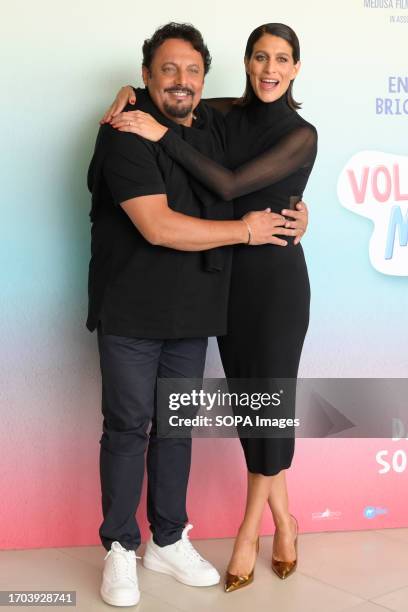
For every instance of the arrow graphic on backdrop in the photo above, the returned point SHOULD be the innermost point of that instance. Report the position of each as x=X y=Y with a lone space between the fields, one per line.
x=324 y=419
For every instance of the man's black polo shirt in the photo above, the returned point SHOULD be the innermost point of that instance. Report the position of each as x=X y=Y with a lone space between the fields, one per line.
x=137 y=289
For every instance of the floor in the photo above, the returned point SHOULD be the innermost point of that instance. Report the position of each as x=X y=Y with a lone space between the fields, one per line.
x=361 y=571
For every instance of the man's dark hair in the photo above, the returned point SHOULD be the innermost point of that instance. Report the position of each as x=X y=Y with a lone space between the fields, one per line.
x=183 y=31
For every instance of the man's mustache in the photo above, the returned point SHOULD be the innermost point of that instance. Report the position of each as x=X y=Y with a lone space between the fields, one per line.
x=186 y=90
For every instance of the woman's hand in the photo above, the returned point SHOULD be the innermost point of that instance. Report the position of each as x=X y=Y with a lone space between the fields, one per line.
x=125 y=95
x=300 y=221
x=139 y=123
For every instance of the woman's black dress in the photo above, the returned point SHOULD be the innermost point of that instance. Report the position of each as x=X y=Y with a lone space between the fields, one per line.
x=271 y=151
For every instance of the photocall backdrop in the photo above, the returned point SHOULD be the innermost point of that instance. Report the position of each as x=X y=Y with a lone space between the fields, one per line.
x=62 y=64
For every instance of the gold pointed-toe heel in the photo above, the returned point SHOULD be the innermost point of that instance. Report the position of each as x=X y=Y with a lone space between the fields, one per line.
x=234 y=582
x=284 y=569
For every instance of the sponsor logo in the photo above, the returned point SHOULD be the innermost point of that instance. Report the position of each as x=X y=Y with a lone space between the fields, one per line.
x=326 y=515
x=370 y=512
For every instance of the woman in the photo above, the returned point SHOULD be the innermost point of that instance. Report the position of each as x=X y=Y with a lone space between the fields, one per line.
x=270 y=154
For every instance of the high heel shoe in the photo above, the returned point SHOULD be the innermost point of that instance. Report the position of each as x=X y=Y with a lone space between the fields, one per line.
x=284 y=569
x=234 y=582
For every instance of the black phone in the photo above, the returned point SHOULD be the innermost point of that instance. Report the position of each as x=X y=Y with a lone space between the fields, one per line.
x=293 y=200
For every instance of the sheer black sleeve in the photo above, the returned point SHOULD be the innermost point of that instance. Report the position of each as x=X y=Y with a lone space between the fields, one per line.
x=293 y=151
x=223 y=105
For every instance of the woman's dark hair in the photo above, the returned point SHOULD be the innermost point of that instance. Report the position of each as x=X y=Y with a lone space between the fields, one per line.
x=282 y=31
x=183 y=31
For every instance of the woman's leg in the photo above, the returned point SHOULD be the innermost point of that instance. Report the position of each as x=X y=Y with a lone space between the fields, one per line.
x=244 y=553
x=285 y=534
x=264 y=291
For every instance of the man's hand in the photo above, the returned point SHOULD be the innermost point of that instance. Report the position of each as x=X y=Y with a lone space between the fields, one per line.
x=125 y=95
x=139 y=123
x=265 y=226
x=300 y=222
x=162 y=226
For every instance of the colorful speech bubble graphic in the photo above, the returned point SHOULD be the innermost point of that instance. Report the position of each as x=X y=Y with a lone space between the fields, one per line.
x=375 y=185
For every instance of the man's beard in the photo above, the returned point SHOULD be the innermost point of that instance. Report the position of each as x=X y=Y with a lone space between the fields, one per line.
x=178 y=112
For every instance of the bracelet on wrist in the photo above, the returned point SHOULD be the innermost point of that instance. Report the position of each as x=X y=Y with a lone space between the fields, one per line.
x=249 y=231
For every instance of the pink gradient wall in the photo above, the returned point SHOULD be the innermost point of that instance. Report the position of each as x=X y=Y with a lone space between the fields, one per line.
x=54 y=500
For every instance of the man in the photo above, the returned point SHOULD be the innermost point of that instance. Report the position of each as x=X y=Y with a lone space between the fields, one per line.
x=158 y=287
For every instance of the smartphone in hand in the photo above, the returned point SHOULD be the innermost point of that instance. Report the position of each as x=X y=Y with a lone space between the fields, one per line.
x=293 y=200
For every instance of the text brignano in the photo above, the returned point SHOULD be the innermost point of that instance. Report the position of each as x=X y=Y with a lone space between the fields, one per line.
x=392 y=105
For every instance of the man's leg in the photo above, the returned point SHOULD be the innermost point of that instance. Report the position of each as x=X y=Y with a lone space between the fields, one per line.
x=129 y=370
x=168 y=459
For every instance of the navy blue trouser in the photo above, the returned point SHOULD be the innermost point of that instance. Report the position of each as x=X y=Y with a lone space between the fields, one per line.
x=130 y=367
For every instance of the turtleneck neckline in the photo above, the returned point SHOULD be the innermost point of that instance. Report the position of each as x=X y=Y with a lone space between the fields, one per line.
x=260 y=111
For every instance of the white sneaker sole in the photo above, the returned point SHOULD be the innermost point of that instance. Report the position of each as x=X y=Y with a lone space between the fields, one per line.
x=159 y=566
x=117 y=601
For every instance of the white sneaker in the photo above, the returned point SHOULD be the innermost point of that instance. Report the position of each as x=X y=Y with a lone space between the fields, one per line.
x=182 y=561
x=119 y=582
